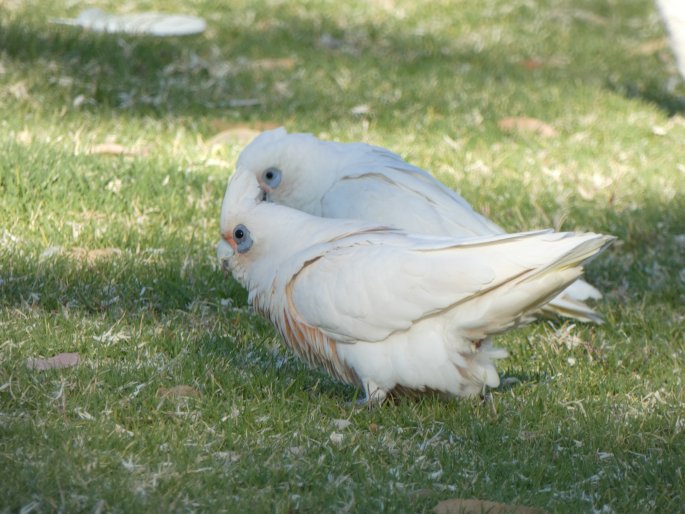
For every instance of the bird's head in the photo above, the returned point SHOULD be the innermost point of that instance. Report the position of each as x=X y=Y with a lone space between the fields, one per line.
x=259 y=239
x=291 y=169
x=242 y=196
x=256 y=235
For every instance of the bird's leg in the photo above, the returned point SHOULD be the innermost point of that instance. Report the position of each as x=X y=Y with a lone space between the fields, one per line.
x=374 y=394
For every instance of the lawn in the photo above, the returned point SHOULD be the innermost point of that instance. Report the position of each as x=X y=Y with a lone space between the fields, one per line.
x=115 y=156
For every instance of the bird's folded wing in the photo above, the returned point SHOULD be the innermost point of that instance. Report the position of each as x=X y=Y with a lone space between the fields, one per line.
x=360 y=290
x=386 y=189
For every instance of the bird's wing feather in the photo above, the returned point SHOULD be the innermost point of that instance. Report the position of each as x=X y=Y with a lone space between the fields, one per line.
x=361 y=291
x=383 y=187
x=367 y=292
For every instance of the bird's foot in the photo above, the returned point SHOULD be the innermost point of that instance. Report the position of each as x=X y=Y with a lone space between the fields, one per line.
x=375 y=395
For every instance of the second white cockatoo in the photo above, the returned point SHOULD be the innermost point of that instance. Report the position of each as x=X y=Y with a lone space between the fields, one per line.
x=361 y=181
x=385 y=310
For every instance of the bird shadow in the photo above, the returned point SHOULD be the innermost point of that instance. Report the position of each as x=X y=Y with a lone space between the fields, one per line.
x=651 y=92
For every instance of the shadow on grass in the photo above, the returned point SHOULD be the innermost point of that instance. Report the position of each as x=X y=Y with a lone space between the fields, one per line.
x=147 y=76
x=184 y=76
x=652 y=92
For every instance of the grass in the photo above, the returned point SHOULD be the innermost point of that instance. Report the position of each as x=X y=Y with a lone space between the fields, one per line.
x=591 y=419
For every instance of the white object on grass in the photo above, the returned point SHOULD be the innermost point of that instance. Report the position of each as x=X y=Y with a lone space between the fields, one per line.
x=144 y=23
x=673 y=14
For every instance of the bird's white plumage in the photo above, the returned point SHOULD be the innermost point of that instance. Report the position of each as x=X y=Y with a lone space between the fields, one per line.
x=387 y=310
x=360 y=181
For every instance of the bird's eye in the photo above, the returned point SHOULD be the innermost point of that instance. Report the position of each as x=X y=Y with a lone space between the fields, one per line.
x=241 y=236
x=272 y=177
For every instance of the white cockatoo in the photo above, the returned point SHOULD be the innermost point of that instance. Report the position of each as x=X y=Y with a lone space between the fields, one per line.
x=385 y=310
x=361 y=181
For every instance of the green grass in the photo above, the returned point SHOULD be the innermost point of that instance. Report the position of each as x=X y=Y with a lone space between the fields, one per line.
x=591 y=419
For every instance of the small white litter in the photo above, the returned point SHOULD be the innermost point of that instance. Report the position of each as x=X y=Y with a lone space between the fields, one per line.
x=144 y=23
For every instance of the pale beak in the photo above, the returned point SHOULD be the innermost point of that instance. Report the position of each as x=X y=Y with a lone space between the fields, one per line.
x=224 y=252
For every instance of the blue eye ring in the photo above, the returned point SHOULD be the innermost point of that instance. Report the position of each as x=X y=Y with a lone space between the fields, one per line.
x=272 y=177
x=241 y=236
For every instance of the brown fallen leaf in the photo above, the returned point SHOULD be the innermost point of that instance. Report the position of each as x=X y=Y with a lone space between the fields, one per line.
x=525 y=124
x=61 y=360
x=531 y=63
x=179 y=391
x=474 y=506
x=284 y=63
x=116 y=149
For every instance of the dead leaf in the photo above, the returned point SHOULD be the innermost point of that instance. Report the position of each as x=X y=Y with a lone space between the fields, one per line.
x=284 y=63
x=373 y=428
x=179 y=391
x=527 y=125
x=116 y=149
x=474 y=506
x=531 y=63
x=90 y=256
x=651 y=47
x=61 y=360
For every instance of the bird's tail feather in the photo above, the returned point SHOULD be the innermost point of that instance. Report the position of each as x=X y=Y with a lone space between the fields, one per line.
x=567 y=307
x=570 y=303
x=513 y=302
x=581 y=291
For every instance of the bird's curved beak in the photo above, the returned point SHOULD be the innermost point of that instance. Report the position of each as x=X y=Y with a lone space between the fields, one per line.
x=224 y=251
